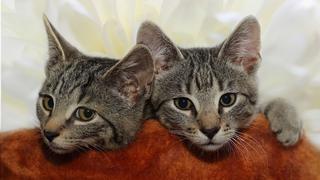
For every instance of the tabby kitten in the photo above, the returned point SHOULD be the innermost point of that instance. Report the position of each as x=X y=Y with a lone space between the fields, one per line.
x=89 y=101
x=207 y=94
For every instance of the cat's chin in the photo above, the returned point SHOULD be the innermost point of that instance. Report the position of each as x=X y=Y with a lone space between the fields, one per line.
x=59 y=149
x=211 y=147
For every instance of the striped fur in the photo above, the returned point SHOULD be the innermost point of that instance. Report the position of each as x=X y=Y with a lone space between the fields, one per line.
x=115 y=90
x=203 y=75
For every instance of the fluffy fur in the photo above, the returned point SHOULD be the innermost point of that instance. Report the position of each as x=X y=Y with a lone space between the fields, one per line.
x=208 y=78
x=156 y=154
x=112 y=93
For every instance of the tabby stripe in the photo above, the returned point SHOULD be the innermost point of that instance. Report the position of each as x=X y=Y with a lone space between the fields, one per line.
x=54 y=87
x=198 y=82
x=220 y=84
x=114 y=129
x=58 y=87
x=190 y=78
x=211 y=80
x=84 y=87
x=74 y=87
x=66 y=68
x=61 y=87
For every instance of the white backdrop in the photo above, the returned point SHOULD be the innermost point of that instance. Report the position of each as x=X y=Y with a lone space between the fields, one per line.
x=290 y=43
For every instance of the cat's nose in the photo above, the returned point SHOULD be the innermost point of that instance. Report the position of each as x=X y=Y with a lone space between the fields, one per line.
x=50 y=135
x=210 y=132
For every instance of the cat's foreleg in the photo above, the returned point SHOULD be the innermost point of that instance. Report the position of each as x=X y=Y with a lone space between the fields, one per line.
x=284 y=120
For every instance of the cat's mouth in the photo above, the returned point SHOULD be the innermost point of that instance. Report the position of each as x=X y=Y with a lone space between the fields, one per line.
x=56 y=148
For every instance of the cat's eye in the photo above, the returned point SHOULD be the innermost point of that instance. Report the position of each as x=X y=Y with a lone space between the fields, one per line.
x=85 y=114
x=47 y=103
x=228 y=99
x=183 y=103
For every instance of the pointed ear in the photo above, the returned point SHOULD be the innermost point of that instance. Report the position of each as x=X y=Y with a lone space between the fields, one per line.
x=59 y=49
x=132 y=76
x=163 y=51
x=242 y=48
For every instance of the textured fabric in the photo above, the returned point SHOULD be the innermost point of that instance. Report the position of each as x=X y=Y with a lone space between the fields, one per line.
x=156 y=154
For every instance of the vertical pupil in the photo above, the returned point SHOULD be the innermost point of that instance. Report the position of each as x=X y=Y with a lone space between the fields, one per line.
x=50 y=103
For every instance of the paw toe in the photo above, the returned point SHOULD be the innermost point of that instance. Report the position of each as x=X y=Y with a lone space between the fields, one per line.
x=288 y=138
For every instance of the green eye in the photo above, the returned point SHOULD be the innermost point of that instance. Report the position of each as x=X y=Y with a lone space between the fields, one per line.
x=85 y=114
x=183 y=103
x=228 y=99
x=47 y=103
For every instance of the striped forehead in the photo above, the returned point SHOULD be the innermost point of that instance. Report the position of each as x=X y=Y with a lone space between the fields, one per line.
x=67 y=80
x=74 y=76
x=206 y=73
x=201 y=73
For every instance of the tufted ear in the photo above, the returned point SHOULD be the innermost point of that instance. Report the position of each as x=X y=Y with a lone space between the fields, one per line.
x=242 y=47
x=163 y=51
x=60 y=50
x=133 y=75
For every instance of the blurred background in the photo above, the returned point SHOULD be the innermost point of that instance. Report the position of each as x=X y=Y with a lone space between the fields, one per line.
x=290 y=43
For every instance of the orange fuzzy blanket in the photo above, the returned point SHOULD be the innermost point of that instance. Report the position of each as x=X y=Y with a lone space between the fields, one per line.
x=156 y=154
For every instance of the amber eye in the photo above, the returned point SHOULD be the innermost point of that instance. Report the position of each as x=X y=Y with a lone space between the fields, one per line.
x=183 y=103
x=47 y=103
x=228 y=99
x=85 y=114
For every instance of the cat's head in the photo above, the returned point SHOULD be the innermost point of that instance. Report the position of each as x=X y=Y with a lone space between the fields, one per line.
x=89 y=102
x=205 y=94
